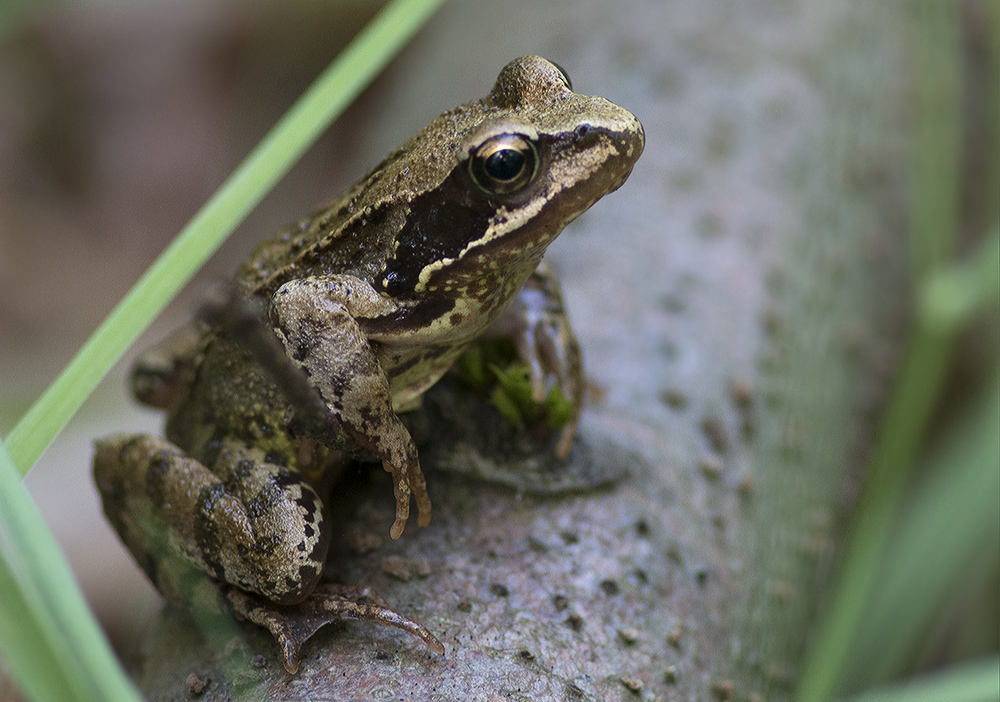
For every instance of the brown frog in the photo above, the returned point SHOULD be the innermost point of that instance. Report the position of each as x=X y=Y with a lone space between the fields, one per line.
x=363 y=306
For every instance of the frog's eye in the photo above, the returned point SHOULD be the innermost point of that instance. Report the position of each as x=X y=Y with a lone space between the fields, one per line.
x=504 y=164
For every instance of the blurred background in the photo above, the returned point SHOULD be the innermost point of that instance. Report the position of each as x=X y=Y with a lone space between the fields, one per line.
x=118 y=120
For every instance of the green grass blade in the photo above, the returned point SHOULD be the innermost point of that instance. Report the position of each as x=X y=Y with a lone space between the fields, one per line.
x=950 y=525
x=24 y=652
x=336 y=87
x=973 y=682
x=934 y=207
x=953 y=296
x=60 y=622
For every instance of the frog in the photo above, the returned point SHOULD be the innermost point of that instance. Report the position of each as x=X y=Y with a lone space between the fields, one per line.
x=333 y=330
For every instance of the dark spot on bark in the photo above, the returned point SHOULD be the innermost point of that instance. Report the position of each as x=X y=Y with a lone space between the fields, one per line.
x=560 y=602
x=499 y=590
x=715 y=431
x=674 y=554
x=574 y=622
x=674 y=399
x=610 y=587
x=569 y=537
x=724 y=690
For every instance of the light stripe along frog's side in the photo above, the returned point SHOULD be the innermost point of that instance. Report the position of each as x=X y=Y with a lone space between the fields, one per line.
x=373 y=298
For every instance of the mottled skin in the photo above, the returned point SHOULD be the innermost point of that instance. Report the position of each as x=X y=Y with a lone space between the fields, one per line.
x=372 y=298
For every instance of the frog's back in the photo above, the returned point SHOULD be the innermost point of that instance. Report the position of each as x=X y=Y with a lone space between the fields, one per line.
x=320 y=244
x=359 y=231
x=229 y=397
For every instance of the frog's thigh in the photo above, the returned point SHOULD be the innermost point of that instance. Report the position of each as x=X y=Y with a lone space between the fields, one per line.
x=250 y=523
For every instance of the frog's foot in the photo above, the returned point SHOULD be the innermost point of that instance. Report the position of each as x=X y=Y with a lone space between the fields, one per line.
x=293 y=625
x=536 y=322
x=398 y=453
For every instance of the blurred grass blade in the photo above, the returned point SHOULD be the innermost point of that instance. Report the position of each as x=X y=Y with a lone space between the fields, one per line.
x=973 y=682
x=950 y=524
x=336 y=87
x=24 y=653
x=954 y=295
x=934 y=45
x=54 y=623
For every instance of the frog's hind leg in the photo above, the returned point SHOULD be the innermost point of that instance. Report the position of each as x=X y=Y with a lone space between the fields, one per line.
x=248 y=522
x=253 y=526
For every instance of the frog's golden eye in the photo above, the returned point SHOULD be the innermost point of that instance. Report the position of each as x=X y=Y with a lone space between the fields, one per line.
x=504 y=164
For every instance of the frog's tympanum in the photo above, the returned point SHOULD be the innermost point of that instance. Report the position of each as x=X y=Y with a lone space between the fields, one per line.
x=368 y=302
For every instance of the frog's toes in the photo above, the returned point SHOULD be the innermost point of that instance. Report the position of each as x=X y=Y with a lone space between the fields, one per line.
x=408 y=479
x=293 y=625
x=419 y=487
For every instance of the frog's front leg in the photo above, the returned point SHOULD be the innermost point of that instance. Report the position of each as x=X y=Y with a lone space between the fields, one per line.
x=536 y=322
x=317 y=321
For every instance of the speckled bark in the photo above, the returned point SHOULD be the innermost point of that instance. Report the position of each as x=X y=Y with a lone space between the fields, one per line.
x=737 y=302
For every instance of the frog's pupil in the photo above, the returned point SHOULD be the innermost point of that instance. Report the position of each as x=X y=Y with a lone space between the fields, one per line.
x=505 y=164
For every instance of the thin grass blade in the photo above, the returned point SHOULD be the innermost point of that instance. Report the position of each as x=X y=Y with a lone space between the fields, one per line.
x=47 y=589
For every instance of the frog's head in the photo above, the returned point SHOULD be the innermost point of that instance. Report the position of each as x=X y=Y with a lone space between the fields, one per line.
x=518 y=166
